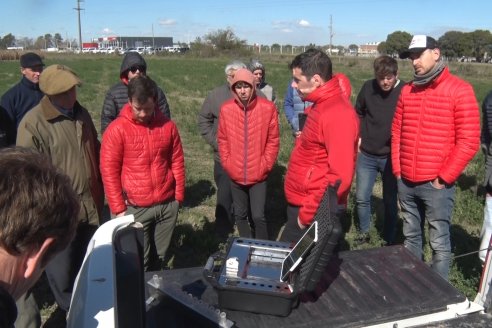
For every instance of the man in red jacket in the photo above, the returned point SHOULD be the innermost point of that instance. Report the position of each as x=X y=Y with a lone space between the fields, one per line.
x=327 y=148
x=435 y=133
x=248 y=139
x=142 y=165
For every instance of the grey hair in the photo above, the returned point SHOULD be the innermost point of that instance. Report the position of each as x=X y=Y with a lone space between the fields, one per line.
x=234 y=65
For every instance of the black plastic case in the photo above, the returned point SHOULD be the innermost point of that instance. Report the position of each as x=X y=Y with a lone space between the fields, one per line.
x=256 y=286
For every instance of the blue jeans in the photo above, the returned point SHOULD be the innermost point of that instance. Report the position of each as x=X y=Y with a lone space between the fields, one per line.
x=420 y=202
x=367 y=170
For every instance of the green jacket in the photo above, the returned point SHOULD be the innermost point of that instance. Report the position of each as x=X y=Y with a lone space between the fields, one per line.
x=73 y=147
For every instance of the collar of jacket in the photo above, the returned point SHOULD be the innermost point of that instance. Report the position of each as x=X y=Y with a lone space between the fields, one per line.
x=50 y=112
x=434 y=83
x=127 y=113
x=251 y=104
x=29 y=84
x=327 y=91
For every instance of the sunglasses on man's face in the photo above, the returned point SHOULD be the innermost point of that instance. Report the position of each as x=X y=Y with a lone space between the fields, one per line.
x=134 y=69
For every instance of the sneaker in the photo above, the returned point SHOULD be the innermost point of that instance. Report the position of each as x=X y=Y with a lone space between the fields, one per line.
x=362 y=238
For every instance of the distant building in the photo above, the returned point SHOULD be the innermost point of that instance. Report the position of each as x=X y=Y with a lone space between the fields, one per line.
x=133 y=41
x=369 y=49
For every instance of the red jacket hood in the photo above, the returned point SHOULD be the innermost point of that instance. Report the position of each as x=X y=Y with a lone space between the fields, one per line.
x=244 y=75
x=338 y=84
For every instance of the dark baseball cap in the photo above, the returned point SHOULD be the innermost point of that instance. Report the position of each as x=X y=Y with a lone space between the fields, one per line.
x=30 y=60
x=418 y=44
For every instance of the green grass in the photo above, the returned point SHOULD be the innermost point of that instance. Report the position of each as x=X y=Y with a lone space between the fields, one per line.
x=187 y=80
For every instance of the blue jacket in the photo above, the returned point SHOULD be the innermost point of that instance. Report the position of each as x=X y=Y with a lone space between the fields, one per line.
x=293 y=105
x=21 y=98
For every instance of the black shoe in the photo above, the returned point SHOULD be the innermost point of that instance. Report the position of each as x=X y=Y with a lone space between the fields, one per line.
x=362 y=238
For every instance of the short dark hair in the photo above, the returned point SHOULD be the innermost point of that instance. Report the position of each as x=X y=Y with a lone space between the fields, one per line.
x=313 y=61
x=385 y=65
x=37 y=201
x=142 y=88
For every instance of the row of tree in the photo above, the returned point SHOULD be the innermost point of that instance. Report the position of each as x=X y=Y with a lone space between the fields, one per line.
x=41 y=42
x=453 y=44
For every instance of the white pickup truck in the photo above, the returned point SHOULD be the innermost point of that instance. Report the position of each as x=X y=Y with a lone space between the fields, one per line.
x=380 y=287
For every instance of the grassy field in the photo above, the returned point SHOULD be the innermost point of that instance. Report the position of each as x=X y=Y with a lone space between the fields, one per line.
x=187 y=80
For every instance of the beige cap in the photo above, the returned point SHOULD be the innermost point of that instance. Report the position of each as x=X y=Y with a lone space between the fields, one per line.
x=57 y=79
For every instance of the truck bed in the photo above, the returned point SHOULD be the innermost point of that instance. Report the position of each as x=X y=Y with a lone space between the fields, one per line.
x=359 y=288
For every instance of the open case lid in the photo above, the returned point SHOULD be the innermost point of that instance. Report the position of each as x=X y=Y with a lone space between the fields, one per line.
x=300 y=251
x=329 y=231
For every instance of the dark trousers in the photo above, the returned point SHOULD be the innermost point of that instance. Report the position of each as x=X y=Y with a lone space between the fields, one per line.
x=224 y=219
x=250 y=198
x=62 y=270
x=292 y=232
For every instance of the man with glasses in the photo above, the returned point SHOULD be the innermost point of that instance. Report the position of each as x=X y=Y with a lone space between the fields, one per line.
x=435 y=133
x=133 y=65
x=23 y=96
x=375 y=106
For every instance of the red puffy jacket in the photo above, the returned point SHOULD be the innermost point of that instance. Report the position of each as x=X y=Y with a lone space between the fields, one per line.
x=435 y=130
x=248 y=139
x=141 y=165
x=325 y=152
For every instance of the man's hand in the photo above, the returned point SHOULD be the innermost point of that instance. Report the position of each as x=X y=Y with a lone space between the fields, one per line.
x=297 y=134
x=438 y=183
x=120 y=214
x=302 y=226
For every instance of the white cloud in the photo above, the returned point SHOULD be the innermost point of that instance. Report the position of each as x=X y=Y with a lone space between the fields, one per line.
x=304 y=23
x=286 y=30
x=107 y=30
x=167 y=22
x=280 y=25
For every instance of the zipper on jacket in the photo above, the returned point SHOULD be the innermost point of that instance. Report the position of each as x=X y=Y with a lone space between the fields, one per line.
x=245 y=142
x=150 y=142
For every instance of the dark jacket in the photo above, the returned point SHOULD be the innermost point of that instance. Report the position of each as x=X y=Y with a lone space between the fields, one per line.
x=7 y=129
x=19 y=99
x=208 y=118
x=117 y=96
x=8 y=310
x=73 y=147
x=376 y=109
x=486 y=140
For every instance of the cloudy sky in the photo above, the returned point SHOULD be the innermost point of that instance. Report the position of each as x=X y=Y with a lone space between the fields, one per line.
x=257 y=21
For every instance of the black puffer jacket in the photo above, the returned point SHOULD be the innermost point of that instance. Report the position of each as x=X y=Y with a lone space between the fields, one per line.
x=486 y=139
x=117 y=96
x=8 y=310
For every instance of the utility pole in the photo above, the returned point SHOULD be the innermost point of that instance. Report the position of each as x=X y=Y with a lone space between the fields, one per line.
x=80 y=30
x=153 y=39
x=331 y=34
